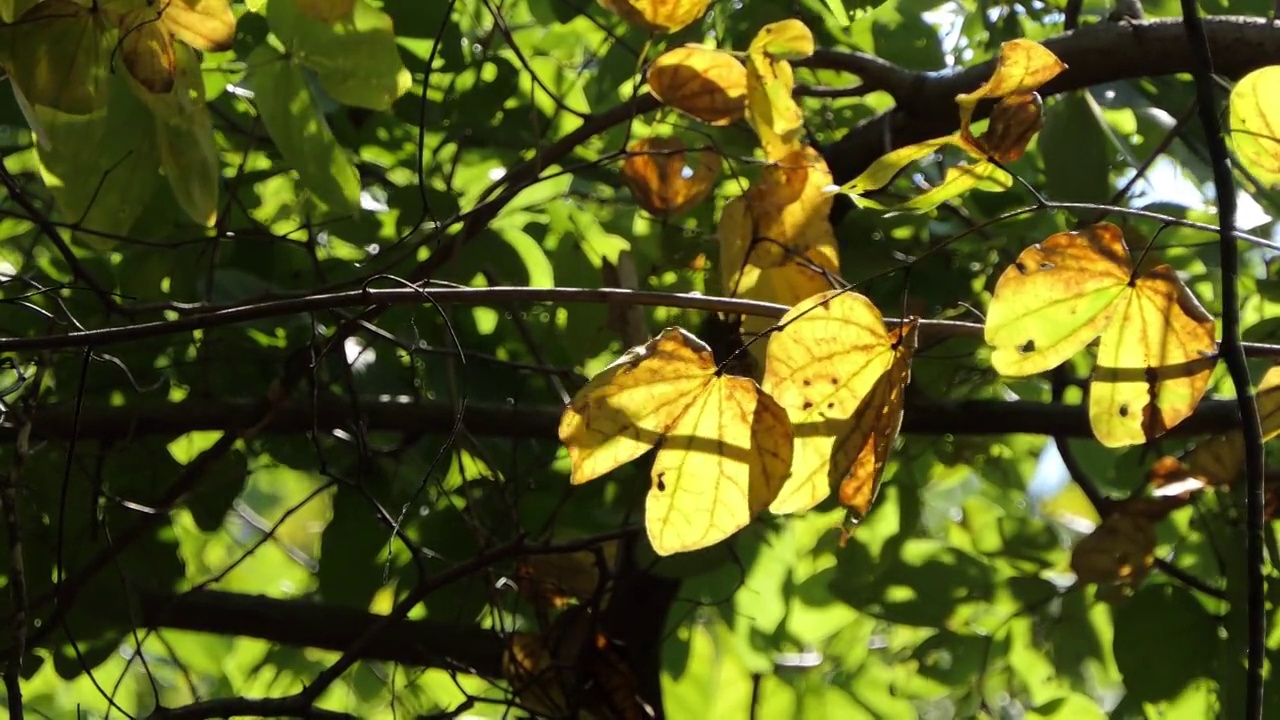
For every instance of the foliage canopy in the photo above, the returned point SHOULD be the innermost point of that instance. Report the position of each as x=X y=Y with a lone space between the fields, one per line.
x=635 y=358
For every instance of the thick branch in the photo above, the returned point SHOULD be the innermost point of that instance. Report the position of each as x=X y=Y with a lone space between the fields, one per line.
x=1097 y=54
x=965 y=417
x=421 y=643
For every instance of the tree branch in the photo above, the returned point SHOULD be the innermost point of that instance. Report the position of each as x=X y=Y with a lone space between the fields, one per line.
x=420 y=643
x=1097 y=54
x=959 y=417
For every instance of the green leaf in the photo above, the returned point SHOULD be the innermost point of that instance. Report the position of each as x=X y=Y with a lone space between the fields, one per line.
x=1167 y=623
x=1075 y=150
x=301 y=132
x=102 y=184
x=881 y=172
x=184 y=130
x=959 y=180
x=59 y=55
x=356 y=58
x=352 y=550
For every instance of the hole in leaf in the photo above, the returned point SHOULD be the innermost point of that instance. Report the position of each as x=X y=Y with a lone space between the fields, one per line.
x=1020 y=267
x=807 y=404
x=662 y=487
x=1124 y=410
x=1027 y=347
x=1047 y=266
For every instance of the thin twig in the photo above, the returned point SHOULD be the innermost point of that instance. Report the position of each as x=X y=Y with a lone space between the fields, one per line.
x=1233 y=354
x=444 y=296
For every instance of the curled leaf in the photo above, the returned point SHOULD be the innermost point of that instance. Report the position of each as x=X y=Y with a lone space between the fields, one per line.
x=207 y=25
x=1014 y=121
x=839 y=373
x=771 y=109
x=790 y=207
x=665 y=178
x=665 y=16
x=147 y=50
x=1255 y=123
x=785 y=40
x=708 y=84
x=1023 y=66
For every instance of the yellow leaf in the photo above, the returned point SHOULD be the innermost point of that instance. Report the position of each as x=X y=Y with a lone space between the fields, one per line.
x=708 y=84
x=785 y=40
x=791 y=207
x=958 y=180
x=722 y=462
x=748 y=270
x=1255 y=123
x=1014 y=121
x=207 y=25
x=880 y=417
x=882 y=171
x=1055 y=299
x=839 y=374
x=1157 y=347
x=147 y=50
x=1120 y=551
x=665 y=178
x=725 y=446
x=1153 y=363
x=58 y=54
x=1220 y=459
x=327 y=11
x=1023 y=66
x=771 y=110
x=665 y=16
x=624 y=410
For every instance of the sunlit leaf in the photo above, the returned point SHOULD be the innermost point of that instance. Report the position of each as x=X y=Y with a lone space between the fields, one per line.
x=839 y=374
x=355 y=58
x=207 y=25
x=1157 y=347
x=300 y=130
x=784 y=40
x=665 y=178
x=1030 y=326
x=657 y=15
x=708 y=84
x=750 y=269
x=957 y=181
x=1022 y=67
x=790 y=205
x=1154 y=361
x=771 y=110
x=148 y=50
x=59 y=56
x=882 y=171
x=1255 y=123
x=624 y=410
x=725 y=445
